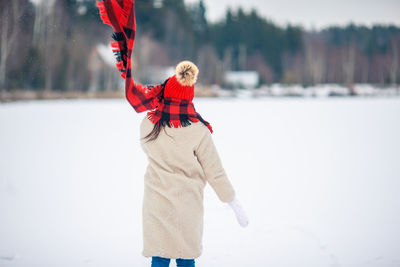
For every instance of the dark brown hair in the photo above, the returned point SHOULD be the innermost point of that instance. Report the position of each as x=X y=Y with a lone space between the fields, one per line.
x=155 y=132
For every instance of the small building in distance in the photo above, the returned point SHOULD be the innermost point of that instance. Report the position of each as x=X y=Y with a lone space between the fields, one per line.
x=242 y=79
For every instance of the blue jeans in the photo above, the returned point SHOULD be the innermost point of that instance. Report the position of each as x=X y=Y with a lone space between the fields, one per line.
x=164 y=262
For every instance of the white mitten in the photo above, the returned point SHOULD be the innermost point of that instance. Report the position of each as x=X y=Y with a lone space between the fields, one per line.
x=239 y=212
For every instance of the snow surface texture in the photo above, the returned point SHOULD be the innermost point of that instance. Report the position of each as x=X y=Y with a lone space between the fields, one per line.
x=319 y=179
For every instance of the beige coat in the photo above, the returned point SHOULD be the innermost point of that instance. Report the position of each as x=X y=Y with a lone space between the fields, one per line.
x=181 y=162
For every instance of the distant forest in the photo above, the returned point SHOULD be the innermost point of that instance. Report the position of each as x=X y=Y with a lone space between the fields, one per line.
x=50 y=46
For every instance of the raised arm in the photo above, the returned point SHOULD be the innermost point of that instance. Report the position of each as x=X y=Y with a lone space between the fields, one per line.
x=120 y=15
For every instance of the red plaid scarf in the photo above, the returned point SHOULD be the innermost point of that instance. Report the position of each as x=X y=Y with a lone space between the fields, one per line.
x=120 y=15
x=175 y=112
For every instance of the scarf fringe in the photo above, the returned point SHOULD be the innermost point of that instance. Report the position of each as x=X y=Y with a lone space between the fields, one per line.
x=206 y=123
x=120 y=56
x=210 y=128
x=122 y=9
x=152 y=118
x=103 y=13
x=176 y=123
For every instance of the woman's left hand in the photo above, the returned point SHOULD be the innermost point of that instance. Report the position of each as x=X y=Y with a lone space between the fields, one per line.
x=241 y=215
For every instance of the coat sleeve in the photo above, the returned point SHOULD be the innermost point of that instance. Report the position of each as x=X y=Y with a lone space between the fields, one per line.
x=208 y=158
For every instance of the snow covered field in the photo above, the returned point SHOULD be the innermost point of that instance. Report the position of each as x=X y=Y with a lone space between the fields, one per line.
x=320 y=179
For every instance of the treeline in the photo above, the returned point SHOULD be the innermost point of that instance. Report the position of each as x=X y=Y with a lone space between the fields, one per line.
x=47 y=46
x=52 y=46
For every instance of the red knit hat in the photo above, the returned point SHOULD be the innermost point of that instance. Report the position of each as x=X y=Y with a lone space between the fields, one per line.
x=181 y=85
x=176 y=108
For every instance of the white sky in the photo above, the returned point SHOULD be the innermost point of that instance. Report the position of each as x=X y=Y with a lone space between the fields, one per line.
x=313 y=13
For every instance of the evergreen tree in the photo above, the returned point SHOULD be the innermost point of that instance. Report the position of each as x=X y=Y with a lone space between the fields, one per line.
x=200 y=24
x=257 y=35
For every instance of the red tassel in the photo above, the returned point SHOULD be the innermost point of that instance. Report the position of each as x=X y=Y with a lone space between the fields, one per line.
x=176 y=124
x=115 y=47
x=114 y=44
x=120 y=65
x=103 y=14
x=152 y=118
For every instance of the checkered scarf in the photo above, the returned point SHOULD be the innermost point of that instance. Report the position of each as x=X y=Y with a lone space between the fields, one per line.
x=120 y=15
x=175 y=112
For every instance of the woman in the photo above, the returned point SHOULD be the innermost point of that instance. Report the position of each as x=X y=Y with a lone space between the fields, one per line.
x=182 y=159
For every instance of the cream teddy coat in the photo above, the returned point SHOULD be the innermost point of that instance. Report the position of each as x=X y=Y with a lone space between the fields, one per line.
x=181 y=162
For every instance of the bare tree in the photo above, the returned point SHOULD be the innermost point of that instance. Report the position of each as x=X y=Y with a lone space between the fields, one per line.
x=39 y=26
x=53 y=43
x=395 y=61
x=227 y=59
x=257 y=63
x=49 y=47
x=242 y=57
x=10 y=16
x=315 y=58
x=349 y=62
x=209 y=64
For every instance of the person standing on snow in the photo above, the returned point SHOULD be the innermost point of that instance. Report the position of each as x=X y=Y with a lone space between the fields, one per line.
x=182 y=159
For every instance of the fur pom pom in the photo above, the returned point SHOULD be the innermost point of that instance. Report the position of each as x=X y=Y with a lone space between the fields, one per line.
x=186 y=73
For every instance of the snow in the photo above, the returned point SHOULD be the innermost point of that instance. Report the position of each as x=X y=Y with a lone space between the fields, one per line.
x=319 y=179
x=324 y=90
